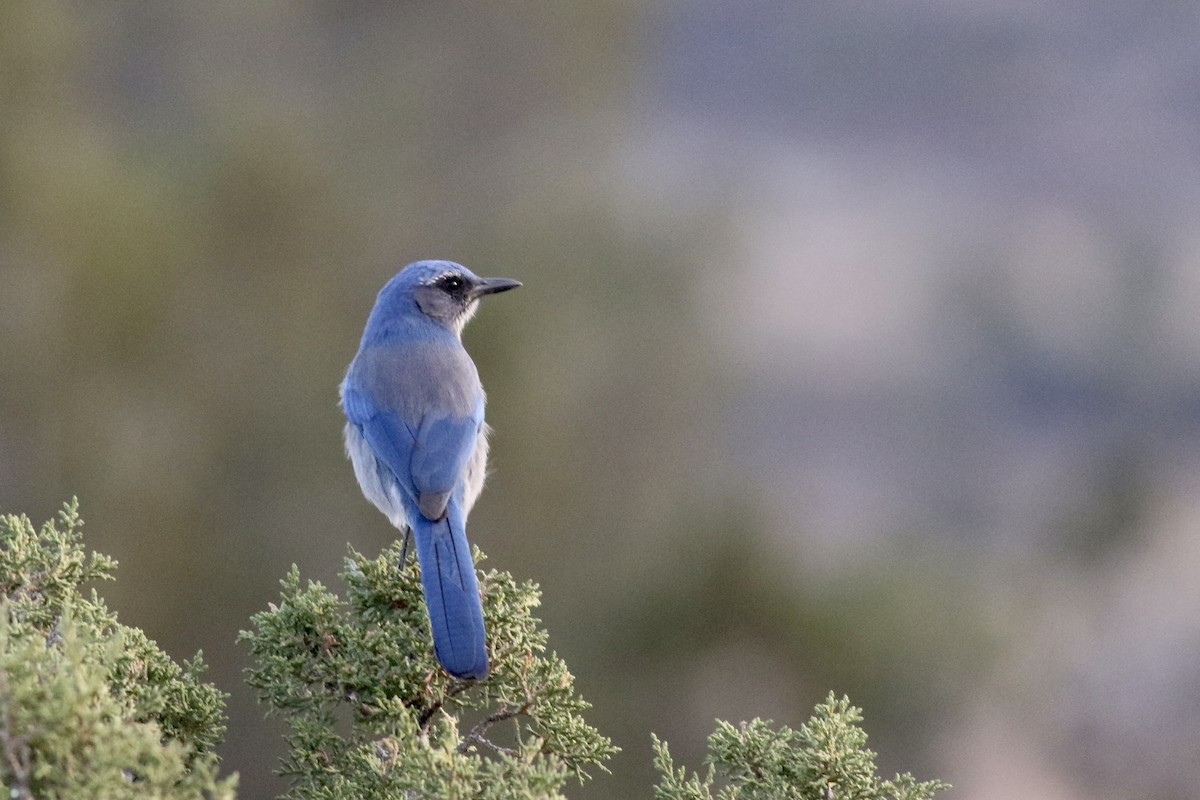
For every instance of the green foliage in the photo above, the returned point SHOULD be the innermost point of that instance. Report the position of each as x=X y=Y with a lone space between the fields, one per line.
x=372 y=715
x=89 y=707
x=827 y=759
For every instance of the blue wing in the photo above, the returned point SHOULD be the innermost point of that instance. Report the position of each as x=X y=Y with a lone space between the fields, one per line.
x=390 y=439
x=439 y=459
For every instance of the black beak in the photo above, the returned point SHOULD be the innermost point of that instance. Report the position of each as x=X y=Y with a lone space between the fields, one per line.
x=493 y=286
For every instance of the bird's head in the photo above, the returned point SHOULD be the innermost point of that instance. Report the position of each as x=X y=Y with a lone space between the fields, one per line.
x=443 y=291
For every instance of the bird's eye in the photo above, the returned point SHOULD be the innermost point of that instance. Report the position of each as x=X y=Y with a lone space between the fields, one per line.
x=452 y=283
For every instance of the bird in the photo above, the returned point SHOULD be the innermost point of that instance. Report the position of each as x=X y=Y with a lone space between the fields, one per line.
x=416 y=436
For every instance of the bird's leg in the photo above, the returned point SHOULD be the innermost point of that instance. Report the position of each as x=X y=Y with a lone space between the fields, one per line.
x=404 y=549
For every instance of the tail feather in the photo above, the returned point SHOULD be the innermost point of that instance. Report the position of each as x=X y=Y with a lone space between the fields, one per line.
x=452 y=593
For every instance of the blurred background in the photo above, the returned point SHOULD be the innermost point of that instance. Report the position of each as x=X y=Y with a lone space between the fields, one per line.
x=858 y=349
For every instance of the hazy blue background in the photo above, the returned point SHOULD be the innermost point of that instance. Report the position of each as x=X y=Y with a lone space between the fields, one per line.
x=858 y=349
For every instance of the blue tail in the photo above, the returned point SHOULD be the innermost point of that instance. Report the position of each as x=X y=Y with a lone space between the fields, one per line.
x=452 y=593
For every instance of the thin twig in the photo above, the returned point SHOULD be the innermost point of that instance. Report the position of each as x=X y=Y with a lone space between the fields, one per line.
x=464 y=745
x=456 y=687
x=426 y=717
x=476 y=734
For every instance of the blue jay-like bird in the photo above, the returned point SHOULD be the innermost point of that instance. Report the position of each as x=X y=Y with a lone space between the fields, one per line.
x=418 y=442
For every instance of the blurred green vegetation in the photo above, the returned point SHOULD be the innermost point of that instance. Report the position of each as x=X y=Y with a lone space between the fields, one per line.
x=90 y=707
x=826 y=758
